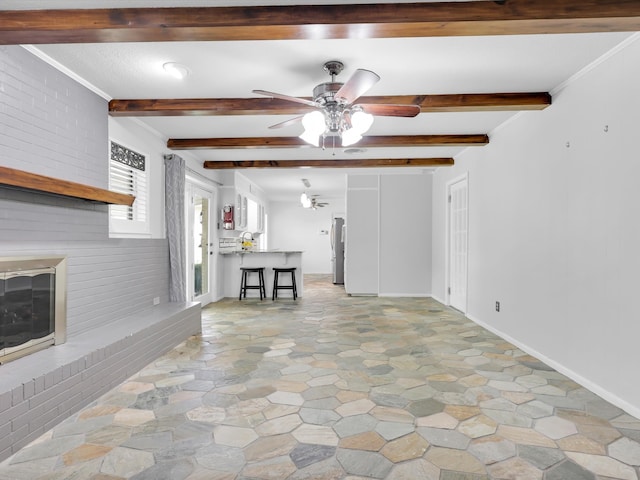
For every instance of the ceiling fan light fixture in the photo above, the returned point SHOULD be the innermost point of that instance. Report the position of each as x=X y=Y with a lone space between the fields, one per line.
x=314 y=122
x=305 y=200
x=336 y=114
x=361 y=121
x=349 y=137
x=311 y=138
x=314 y=125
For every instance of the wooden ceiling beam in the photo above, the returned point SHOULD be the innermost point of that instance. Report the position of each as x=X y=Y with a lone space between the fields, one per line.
x=295 y=142
x=385 y=20
x=330 y=163
x=469 y=102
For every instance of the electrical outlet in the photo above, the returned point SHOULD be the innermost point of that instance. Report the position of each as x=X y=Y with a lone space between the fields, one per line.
x=497 y=306
x=156 y=300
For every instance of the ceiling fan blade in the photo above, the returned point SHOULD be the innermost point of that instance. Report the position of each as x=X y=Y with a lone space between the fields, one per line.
x=390 y=110
x=286 y=97
x=286 y=123
x=358 y=83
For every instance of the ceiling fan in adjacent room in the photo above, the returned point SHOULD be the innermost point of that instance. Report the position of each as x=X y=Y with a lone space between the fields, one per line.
x=316 y=203
x=310 y=201
x=336 y=114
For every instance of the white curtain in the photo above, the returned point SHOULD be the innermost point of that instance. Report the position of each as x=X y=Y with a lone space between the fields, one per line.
x=174 y=193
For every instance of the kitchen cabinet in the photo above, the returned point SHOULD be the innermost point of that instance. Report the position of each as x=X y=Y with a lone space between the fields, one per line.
x=261 y=218
x=252 y=216
x=246 y=199
x=241 y=207
x=249 y=214
x=255 y=216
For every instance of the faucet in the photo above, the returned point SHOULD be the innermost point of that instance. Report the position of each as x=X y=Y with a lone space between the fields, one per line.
x=243 y=240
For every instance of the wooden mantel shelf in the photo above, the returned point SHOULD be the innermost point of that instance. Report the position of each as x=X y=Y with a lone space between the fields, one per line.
x=32 y=181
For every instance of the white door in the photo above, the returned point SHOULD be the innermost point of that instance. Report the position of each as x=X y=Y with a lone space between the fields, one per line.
x=199 y=244
x=458 y=243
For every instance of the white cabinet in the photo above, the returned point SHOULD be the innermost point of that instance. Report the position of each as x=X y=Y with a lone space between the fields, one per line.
x=255 y=216
x=245 y=216
x=241 y=212
x=252 y=216
x=388 y=242
x=249 y=212
x=361 y=246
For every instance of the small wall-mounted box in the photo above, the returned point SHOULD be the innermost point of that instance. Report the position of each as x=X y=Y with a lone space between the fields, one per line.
x=230 y=244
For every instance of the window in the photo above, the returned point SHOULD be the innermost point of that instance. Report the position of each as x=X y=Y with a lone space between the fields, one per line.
x=128 y=174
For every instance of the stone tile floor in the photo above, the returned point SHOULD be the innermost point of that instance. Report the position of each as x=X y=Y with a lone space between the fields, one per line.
x=335 y=387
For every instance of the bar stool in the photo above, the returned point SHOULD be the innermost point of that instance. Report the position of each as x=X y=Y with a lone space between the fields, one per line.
x=276 y=287
x=243 y=282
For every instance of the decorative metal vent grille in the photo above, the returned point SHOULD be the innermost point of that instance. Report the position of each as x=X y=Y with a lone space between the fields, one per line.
x=127 y=157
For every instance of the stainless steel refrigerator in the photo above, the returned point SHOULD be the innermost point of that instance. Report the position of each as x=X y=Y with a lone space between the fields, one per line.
x=337 y=250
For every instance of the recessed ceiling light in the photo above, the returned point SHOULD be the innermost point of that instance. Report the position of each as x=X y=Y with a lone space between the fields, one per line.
x=176 y=70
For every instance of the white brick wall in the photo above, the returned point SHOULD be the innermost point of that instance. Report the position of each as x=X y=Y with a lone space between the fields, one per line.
x=53 y=126
x=50 y=124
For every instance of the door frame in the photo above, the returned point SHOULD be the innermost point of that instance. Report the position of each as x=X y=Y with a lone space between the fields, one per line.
x=193 y=186
x=461 y=178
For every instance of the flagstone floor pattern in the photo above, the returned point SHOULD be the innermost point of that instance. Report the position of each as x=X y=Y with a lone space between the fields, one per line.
x=335 y=387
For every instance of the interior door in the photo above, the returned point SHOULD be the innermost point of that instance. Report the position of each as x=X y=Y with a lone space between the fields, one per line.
x=458 y=200
x=200 y=244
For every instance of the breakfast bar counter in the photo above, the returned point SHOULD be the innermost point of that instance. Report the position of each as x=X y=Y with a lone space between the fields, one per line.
x=233 y=261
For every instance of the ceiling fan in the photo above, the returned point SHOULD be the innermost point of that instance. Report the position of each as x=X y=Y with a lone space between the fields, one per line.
x=315 y=203
x=310 y=201
x=336 y=114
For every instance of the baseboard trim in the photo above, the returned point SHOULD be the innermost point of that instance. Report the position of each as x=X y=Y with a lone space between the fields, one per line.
x=405 y=295
x=586 y=383
x=438 y=299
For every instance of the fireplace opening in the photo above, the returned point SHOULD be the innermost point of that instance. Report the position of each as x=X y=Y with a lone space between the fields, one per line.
x=32 y=305
x=27 y=306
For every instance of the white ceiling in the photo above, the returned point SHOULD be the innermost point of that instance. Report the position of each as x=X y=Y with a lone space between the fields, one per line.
x=435 y=65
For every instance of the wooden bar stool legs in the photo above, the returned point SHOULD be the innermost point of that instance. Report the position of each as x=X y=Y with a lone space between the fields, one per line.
x=244 y=286
x=276 y=286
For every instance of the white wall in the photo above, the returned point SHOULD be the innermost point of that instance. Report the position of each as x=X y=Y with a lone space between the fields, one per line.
x=554 y=229
x=292 y=227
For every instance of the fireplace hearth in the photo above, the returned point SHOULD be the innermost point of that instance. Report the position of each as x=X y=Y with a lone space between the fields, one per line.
x=32 y=304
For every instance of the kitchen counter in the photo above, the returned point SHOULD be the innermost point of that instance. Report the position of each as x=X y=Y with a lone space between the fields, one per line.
x=232 y=261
